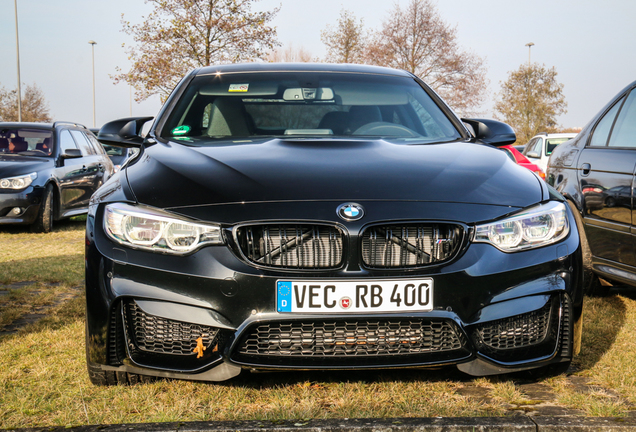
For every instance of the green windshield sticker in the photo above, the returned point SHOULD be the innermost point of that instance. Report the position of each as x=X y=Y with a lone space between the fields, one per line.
x=181 y=130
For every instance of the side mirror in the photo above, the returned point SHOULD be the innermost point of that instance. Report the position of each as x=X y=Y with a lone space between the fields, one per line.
x=71 y=154
x=124 y=132
x=491 y=131
x=533 y=155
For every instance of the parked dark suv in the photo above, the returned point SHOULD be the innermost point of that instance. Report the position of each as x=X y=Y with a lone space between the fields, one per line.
x=48 y=172
x=595 y=172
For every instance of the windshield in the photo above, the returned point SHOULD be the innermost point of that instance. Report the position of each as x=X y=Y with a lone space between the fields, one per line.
x=302 y=104
x=553 y=142
x=28 y=142
x=114 y=151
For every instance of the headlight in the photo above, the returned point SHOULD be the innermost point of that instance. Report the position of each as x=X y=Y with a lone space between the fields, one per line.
x=532 y=228
x=19 y=182
x=152 y=229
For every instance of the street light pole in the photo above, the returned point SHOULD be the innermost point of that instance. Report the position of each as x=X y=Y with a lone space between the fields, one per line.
x=529 y=45
x=17 y=45
x=93 y=43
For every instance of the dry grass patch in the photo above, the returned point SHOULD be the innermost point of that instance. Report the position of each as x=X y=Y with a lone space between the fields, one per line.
x=39 y=270
x=606 y=360
x=612 y=321
x=54 y=257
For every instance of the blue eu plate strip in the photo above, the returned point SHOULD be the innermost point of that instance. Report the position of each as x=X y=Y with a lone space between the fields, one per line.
x=284 y=296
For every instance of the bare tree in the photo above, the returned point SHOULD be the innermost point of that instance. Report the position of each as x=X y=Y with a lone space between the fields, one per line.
x=290 y=55
x=35 y=108
x=530 y=100
x=346 y=42
x=416 y=39
x=180 y=35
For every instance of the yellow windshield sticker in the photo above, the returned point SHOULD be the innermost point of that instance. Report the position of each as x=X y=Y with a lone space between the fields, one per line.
x=239 y=88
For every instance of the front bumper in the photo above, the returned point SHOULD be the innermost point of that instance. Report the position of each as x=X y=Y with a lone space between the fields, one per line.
x=27 y=200
x=494 y=313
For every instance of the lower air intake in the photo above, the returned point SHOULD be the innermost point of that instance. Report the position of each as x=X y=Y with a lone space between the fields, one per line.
x=517 y=332
x=347 y=342
x=530 y=335
x=159 y=335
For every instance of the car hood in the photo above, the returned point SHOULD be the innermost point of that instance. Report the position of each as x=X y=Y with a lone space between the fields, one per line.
x=174 y=175
x=17 y=165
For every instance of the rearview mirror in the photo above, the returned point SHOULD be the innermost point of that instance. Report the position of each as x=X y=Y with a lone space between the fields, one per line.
x=492 y=132
x=124 y=132
x=299 y=94
x=533 y=155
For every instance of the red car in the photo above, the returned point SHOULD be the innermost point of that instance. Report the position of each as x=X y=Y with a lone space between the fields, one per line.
x=520 y=159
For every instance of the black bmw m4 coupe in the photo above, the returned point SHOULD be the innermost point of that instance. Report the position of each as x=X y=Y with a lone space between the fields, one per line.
x=302 y=217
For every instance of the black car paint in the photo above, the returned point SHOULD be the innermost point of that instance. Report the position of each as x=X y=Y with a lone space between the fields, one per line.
x=587 y=176
x=465 y=181
x=73 y=179
x=222 y=174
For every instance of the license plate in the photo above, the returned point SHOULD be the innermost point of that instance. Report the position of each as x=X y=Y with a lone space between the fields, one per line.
x=345 y=296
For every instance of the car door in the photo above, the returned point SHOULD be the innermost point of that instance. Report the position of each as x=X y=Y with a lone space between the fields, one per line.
x=605 y=169
x=93 y=169
x=74 y=177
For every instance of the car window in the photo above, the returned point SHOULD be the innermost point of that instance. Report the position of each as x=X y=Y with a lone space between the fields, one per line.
x=530 y=146
x=82 y=142
x=31 y=142
x=603 y=128
x=97 y=147
x=551 y=143
x=66 y=142
x=535 y=146
x=624 y=131
x=312 y=103
x=509 y=154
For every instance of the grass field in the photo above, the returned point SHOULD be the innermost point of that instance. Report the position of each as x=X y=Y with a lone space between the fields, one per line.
x=43 y=379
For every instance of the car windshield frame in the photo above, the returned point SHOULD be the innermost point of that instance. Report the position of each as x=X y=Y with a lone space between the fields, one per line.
x=301 y=104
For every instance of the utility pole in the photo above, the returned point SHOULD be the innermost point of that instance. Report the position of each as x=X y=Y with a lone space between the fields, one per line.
x=17 y=45
x=93 y=43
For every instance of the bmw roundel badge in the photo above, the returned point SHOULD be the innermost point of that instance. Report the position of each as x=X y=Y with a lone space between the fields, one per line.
x=350 y=211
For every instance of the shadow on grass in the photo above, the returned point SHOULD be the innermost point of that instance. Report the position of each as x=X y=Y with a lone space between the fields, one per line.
x=282 y=379
x=603 y=318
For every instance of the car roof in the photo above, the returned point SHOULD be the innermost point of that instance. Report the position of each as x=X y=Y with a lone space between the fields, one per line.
x=30 y=125
x=45 y=126
x=300 y=67
x=559 y=135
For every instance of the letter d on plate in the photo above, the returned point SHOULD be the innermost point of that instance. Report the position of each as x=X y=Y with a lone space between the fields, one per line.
x=284 y=296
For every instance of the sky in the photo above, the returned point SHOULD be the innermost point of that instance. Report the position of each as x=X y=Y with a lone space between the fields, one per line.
x=592 y=45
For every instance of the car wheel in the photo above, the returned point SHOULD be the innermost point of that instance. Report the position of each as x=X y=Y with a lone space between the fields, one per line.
x=44 y=220
x=611 y=202
x=591 y=283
